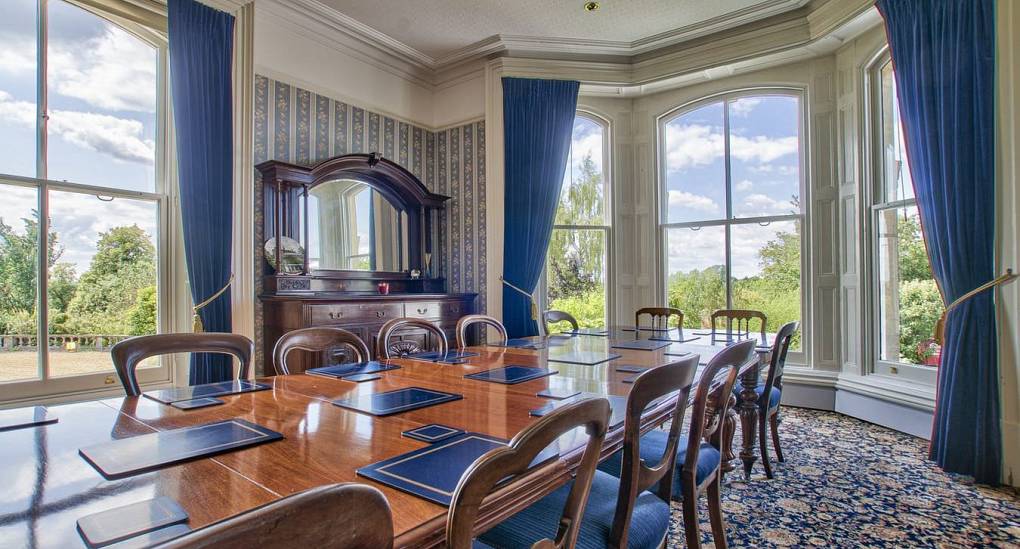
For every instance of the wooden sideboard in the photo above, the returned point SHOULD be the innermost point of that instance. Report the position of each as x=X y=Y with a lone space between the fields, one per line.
x=363 y=315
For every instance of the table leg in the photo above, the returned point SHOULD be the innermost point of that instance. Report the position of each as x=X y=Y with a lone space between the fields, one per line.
x=747 y=407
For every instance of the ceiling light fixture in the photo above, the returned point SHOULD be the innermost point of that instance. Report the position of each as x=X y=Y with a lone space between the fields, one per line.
x=591 y=6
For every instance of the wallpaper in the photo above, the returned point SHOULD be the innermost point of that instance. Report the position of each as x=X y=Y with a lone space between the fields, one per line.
x=299 y=126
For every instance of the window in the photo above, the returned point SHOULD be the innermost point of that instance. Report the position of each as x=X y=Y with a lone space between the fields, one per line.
x=730 y=207
x=576 y=273
x=84 y=206
x=907 y=300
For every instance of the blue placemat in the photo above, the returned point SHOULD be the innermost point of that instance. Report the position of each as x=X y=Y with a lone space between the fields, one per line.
x=25 y=417
x=343 y=370
x=641 y=344
x=129 y=456
x=167 y=396
x=589 y=331
x=520 y=343
x=589 y=358
x=394 y=402
x=433 y=432
x=435 y=356
x=510 y=375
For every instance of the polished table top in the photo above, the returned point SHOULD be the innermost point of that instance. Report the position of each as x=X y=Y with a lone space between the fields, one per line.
x=48 y=486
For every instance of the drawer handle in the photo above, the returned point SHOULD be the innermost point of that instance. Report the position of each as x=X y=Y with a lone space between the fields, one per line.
x=336 y=315
x=422 y=311
x=380 y=314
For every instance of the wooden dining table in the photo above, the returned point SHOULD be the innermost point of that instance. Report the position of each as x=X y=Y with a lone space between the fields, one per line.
x=47 y=485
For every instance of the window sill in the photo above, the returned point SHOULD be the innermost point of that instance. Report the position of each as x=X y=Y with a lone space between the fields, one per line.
x=892 y=389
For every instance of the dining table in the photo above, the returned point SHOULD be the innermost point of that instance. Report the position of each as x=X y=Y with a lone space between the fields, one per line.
x=47 y=485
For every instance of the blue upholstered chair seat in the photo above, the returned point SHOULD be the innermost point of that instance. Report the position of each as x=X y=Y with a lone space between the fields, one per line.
x=648 y=525
x=653 y=446
x=774 y=397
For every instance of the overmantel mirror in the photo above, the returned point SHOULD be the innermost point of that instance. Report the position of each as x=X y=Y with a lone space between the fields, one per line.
x=346 y=223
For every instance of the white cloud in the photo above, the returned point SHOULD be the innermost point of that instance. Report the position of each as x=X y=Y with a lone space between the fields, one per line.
x=760 y=204
x=778 y=169
x=17 y=56
x=762 y=148
x=743 y=107
x=119 y=138
x=693 y=201
x=78 y=219
x=113 y=71
x=744 y=185
x=692 y=145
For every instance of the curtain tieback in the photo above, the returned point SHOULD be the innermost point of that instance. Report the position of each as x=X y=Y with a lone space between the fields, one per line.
x=940 y=326
x=531 y=298
x=196 y=321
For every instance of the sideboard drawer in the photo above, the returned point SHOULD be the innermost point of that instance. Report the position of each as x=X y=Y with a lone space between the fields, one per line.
x=354 y=312
x=436 y=310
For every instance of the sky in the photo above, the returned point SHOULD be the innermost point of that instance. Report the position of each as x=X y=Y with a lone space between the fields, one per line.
x=102 y=126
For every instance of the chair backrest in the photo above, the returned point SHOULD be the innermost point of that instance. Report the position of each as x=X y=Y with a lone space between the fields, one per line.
x=660 y=316
x=714 y=388
x=347 y=516
x=552 y=317
x=637 y=476
x=502 y=463
x=318 y=340
x=468 y=321
x=129 y=353
x=385 y=349
x=780 y=348
x=742 y=318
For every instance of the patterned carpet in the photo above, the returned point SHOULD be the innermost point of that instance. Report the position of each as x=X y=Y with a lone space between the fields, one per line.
x=847 y=483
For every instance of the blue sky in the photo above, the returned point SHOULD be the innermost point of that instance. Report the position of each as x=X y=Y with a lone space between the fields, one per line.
x=102 y=126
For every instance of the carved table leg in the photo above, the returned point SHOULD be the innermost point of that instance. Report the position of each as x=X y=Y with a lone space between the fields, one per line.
x=748 y=410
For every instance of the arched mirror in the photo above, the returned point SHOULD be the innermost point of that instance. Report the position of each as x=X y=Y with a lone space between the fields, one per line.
x=353 y=227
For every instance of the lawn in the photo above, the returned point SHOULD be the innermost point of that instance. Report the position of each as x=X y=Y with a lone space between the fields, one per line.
x=21 y=365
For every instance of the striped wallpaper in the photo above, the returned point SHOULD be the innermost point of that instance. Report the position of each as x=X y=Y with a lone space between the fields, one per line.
x=299 y=126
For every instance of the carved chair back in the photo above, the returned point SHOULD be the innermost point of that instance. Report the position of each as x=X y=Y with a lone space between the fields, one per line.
x=466 y=322
x=395 y=349
x=129 y=353
x=553 y=317
x=738 y=322
x=780 y=348
x=318 y=340
x=660 y=317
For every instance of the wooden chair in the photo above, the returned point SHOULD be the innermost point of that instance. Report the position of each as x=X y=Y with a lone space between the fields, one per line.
x=699 y=456
x=468 y=321
x=621 y=510
x=348 y=516
x=385 y=349
x=129 y=353
x=499 y=464
x=742 y=318
x=660 y=317
x=771 y=393
x=553 y=317
x=319 y=340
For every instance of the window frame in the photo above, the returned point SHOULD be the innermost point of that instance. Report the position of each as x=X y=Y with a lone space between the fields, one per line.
x=873 y=189
x=798 y=356
x=542 y=297
x=163 y=196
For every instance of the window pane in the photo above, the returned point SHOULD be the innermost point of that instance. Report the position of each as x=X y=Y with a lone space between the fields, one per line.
x=766 y=271
x=909 y=300
x=19 y=245
x=583 y=196
x=102 y=279
x=18 y=87
x=695 y=170
x=102 y=102
x=765 y=155
x=696 y=272
x=576 y=274
x=895 y=169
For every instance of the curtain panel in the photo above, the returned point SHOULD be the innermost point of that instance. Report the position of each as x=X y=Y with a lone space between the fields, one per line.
x=943 y=53
x=538 y=116
x=201 y=54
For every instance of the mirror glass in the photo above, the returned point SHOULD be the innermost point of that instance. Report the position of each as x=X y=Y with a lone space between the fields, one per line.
x=352 y=227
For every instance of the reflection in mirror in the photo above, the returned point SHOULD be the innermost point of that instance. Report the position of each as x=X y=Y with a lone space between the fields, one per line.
x=352 y=227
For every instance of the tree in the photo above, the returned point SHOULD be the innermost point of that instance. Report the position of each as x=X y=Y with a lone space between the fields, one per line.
x=18 y=267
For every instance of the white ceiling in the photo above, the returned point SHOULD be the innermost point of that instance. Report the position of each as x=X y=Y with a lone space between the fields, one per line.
x=440 y=28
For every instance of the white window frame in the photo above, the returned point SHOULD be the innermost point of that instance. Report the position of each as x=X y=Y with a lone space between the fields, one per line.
x=606 y=228
x=663 y=225
x=873 y=191
x=168 y=245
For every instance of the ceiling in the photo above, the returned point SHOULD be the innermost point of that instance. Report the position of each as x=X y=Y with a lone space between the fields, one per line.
x=443 y=30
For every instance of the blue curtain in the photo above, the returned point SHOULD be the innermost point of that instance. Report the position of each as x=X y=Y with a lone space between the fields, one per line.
x=538 y=119
x=943 y=53
x=201 y=45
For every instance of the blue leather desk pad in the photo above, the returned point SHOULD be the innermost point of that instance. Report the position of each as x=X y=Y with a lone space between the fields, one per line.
x=392 y=402
x=25 y=417
x=166 y=396
x=433 y=432
x=589 y=358
x=520 y=343
x=435 y=356
x=343 y=370
x=589 y=331
x=641 y=344
x=618 y=405
x=130 y=456
x=510 y=375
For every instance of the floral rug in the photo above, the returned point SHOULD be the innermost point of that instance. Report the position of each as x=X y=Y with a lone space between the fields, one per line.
x=847 y=483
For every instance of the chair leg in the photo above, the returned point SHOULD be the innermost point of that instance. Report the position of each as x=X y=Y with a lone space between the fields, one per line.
x=692 y=531
x=774 y=423
x=715 y=513
x=763 y=446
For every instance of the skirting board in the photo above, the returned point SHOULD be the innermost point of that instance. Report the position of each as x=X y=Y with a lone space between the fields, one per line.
x=906 y=419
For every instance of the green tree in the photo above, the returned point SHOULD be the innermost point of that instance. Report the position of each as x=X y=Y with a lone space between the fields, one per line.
x=913 y=255
x=698 y=293
x=920 y=308
x=19 y=258
x=142 y=317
